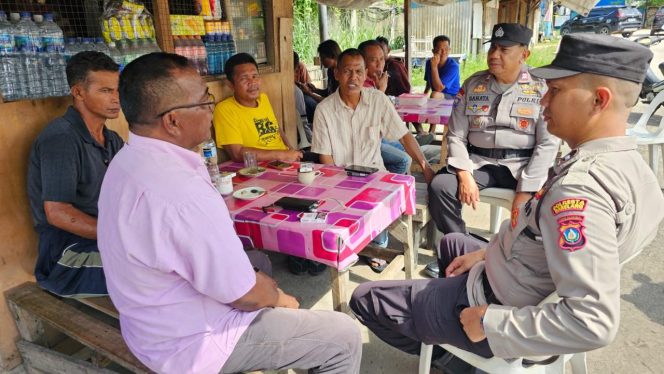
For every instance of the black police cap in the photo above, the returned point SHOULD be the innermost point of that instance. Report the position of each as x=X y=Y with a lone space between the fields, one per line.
x=509 y=34
x=598 y=54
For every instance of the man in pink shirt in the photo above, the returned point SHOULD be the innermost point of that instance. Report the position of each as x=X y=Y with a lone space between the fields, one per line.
x=189 y=297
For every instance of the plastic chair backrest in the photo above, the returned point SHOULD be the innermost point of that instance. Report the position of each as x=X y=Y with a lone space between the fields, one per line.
x=640 y=126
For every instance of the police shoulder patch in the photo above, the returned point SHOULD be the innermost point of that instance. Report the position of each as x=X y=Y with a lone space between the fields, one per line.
x=567 y=205
x=572 y=236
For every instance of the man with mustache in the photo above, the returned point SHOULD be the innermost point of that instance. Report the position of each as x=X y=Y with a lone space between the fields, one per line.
x=349 y=124
x=496 y=135
x=67 y=164
x=600 y=206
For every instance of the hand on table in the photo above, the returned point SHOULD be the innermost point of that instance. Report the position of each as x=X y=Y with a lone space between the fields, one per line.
x=287 y=301
x=469 y=193
x=290 y=155
x=471 y=320
x=463 y=263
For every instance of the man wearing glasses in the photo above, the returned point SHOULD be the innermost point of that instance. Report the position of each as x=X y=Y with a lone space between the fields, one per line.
x=67 y=163
x=245 y=122
x=191 y=300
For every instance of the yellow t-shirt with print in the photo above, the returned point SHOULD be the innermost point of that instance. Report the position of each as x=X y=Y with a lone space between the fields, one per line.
x=250 y=127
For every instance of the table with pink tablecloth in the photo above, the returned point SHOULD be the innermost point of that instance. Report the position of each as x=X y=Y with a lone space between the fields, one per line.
x=435 y=111
x=358 y=208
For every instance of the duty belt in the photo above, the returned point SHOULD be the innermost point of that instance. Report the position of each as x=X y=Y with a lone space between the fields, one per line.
x=488 y=292
x=500 y=153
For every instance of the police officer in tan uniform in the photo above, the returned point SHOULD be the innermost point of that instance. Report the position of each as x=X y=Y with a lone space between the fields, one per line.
x=601 y=205
x=496 y=135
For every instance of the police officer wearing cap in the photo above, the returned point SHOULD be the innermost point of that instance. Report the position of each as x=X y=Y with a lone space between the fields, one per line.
x=496 y=136
x=600 y=206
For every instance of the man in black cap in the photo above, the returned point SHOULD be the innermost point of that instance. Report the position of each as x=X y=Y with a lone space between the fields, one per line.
x=600 y=207
x=496 y=135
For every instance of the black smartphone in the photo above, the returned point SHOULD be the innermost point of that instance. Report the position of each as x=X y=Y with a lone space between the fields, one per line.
x=359 y=171
x=297 y=204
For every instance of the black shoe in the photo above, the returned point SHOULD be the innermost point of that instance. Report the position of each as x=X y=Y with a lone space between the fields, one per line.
x=297 y=265
x=432 y=269
x=315 y=268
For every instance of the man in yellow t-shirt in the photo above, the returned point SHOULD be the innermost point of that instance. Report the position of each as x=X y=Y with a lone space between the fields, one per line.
x=245 y=121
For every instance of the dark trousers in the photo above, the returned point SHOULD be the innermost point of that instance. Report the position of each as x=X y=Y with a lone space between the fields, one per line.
x=406 y=313
x=444 y=204
x=310 y=105
x=69 y=265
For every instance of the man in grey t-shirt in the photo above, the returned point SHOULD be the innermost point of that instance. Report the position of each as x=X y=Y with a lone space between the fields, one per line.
x=67 y=164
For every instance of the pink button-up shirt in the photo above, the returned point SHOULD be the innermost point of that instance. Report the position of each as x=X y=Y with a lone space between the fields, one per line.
x=172 y=259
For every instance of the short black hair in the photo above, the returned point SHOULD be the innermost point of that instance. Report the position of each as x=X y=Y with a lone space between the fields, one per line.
x=368 y=43
x=329 y=49
x=296 y=59
x=235 y=60
x=145 y=81
x=84 y=62
x=352 y=52
x=383 y=40
x=441 y=38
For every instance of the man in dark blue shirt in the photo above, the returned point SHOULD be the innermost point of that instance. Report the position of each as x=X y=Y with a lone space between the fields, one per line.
x=67 y=164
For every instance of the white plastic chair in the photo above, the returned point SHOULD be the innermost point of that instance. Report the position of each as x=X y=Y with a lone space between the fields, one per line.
x=654 y=140
x=497 y=198
x=501 y=366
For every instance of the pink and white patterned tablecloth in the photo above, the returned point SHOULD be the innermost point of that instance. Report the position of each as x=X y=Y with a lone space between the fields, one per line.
x=359 y=208
x=436 y=111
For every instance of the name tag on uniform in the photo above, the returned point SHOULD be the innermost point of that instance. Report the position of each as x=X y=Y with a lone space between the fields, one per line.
x=525 y=110
x=527 y=100
x=478 y=105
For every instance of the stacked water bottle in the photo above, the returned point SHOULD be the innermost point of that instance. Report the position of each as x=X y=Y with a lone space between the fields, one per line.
x=192 y=48
x=219 y=45
x=32 y=63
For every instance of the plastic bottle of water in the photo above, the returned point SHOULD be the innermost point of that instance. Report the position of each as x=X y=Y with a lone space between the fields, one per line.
x=201 y=56
x=87 y=45
x=70 y=48
x=115 y=54
x=209 y=150
x=101 y=46
x=28 y=43
x=53 y=56
x=9 y=85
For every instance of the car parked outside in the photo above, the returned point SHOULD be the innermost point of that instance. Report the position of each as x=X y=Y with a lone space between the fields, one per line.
x=658 y=22
x=605 y=20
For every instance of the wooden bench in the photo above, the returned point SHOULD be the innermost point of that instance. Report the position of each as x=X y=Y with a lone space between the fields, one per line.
x=63 y=336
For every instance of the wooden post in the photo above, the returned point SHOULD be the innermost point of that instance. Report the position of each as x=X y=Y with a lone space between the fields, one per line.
x=162 y=25
x=288 y=89
x=340 y=290
x=406 y=30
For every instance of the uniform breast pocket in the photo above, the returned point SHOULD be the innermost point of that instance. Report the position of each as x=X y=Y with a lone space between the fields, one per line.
x=524 y=117
x=478 y=123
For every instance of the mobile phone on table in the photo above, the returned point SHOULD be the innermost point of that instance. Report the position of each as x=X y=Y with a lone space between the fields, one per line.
x=280 y=165
x=359 y=171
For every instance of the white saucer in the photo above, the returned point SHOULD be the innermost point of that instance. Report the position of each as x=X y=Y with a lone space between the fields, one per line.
x=249 y=193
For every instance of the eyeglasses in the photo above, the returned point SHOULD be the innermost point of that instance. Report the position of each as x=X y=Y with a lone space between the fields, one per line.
x=211 y=101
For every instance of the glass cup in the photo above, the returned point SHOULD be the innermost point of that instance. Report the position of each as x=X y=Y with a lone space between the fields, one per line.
x=250 y=159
